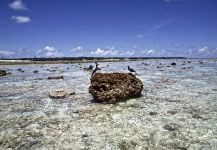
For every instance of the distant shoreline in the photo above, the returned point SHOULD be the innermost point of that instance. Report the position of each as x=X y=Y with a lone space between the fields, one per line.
x=70 y=60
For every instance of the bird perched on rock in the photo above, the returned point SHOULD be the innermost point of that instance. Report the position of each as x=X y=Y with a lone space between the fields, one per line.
x=130 y=69
x=96 y=69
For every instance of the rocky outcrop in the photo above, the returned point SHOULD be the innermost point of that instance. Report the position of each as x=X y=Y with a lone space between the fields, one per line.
x=3 y=73
x=114 y=87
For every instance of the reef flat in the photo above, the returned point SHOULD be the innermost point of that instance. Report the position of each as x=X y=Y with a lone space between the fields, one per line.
x=177 y=110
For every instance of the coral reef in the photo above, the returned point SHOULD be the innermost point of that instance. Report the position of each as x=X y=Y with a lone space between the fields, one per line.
x=113 y=87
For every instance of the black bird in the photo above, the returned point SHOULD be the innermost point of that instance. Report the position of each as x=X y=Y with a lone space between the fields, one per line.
x=130 y=69
x=96 y=69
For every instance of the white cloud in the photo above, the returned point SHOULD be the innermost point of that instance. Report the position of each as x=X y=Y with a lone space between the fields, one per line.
x=111 y=48
x=50 y=48
x=104 y=52
x=78 y=48
x=151 y=52
x=155 y=29
x=135 y=46
x=49 y=51
x=6 y=53
x=21 y=19
x=161 y=25
x=139 y=36
x=169 y=1
x=101 y=52
x=156 y=52
x=127 y=53
x=18 y=5
x=203 y=50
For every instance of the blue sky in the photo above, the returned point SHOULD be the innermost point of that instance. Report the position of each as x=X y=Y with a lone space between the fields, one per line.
x=53 y=28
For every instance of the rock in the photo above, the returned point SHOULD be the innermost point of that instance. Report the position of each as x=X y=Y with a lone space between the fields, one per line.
x=57 y=77
x=172 y=112
x=20 y=70
x=90 y=68
x=171 y=127
x=3 y=73
x=152 y=113
x=58 y=94
x=173 y=63
x=114 y=87
x=71 y=93
x=35 y=71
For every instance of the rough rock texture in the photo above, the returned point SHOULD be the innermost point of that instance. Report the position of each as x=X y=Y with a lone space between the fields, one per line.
x=3 y=73
x=113 y=87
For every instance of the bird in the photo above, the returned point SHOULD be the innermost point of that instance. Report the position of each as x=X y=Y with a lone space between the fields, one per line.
x=130 y=69
x=96 y=69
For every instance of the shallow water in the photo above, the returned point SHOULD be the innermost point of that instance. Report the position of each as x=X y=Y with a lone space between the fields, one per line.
x=178 y=109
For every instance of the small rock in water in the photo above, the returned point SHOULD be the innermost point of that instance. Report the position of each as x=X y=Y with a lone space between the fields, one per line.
x=114 y=87
x=57 y=77
x=20 y=70
x=201 y=62
x=172 y=112
x=153 y=113
x=3 y=73
x=57 y=94
x=35 y=71
x=171 y=127
x=71 y=93
x=173 y=63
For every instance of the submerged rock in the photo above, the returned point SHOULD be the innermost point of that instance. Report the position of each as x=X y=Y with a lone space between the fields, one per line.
x=20 y=70
x=35 y=71
x=114 y=87
x=3 y=73
x=57 y=77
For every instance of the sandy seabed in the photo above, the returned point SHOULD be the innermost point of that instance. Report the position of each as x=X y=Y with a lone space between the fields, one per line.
x=177 y=110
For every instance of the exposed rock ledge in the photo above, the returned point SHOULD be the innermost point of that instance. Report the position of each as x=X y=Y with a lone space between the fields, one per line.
x=114 y=87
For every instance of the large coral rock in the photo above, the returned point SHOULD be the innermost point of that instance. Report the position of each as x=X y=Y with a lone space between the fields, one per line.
x=3 y=73
x=114 y=87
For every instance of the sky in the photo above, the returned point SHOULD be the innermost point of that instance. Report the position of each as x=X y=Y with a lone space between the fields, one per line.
x=108 y=28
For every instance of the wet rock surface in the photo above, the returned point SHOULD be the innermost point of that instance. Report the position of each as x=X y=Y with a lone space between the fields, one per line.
x=114 y=87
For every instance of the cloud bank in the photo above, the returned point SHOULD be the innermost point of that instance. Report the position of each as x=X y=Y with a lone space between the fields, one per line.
x=49 y=51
